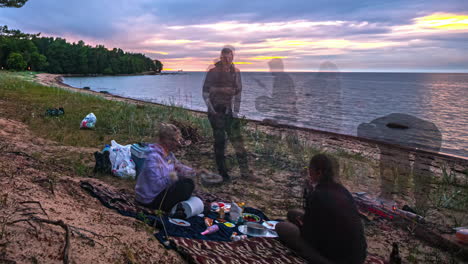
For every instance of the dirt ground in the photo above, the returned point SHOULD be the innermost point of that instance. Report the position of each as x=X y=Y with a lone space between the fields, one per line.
x=31 y=170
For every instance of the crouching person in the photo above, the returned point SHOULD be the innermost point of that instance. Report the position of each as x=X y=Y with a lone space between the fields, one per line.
x=328 y=229
x=164 y=181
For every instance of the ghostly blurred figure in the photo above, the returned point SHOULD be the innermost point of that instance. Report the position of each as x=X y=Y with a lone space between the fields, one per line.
x=222 y=93
x=282 y=103
x=323 y=97
x=395 y=166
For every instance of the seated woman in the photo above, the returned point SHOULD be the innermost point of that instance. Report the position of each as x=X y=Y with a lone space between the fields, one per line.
x=164 y=181
x=328 y=229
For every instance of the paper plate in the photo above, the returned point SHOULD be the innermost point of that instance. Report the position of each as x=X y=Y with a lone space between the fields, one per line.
x=179 y=222
x=270 y=224
x=268 y=233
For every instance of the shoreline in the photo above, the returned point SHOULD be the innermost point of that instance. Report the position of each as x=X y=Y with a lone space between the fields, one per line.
x=57 y=81
x=115 y=75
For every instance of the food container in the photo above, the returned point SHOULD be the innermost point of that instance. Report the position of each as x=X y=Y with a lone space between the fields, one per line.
x=192 y=207
x=462 y=235
x=214 y=207
x=255 y=228
x=251 y=217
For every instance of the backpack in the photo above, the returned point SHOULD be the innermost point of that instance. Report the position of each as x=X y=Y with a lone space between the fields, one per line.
x=103 y=163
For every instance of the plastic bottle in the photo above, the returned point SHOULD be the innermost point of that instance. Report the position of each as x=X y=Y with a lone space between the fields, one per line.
x=210 y=230
x=221 y=213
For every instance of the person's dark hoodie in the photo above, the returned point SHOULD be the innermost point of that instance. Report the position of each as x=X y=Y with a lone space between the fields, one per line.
x=333 y=226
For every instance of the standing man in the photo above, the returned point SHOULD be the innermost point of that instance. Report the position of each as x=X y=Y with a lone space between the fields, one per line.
x=222 y=93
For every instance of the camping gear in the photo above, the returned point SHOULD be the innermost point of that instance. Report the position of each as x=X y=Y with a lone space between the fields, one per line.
x=103 y=163
x=55 y=112
x=88 y=122
x=210 y=230
x=138 y=152
x=122 y=164
x=191 y=207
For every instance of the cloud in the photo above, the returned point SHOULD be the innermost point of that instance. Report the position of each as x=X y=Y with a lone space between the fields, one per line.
x=187 y=34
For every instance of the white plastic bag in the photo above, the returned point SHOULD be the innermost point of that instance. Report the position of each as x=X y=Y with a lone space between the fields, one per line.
x=122 y=163
x=89 y=121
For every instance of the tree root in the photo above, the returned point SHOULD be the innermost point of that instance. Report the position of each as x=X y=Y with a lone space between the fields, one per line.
x=69 y=229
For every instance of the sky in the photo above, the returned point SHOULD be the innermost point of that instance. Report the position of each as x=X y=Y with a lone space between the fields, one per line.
x=366 y=35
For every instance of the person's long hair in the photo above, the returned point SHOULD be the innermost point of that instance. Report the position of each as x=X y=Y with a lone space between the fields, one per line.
x=328 y=168
x=326 y=165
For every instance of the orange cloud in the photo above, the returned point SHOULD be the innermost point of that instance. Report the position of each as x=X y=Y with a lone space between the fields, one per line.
x=155 y=52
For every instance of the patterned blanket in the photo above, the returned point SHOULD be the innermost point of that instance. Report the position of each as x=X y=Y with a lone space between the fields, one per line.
x=251 y=250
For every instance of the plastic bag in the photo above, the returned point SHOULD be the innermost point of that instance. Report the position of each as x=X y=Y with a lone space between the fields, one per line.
x=235 y=213
x=89 y=121
x=122 y=163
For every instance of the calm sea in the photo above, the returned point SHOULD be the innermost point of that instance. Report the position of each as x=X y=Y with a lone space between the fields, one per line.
x=337 y=102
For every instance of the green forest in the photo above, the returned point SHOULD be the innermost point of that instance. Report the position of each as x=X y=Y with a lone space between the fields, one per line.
x=22 y=51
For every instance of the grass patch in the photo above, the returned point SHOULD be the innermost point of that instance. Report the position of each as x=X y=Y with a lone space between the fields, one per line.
x=120 y=121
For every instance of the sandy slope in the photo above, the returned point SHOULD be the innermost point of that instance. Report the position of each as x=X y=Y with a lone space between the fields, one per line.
x=26 y=178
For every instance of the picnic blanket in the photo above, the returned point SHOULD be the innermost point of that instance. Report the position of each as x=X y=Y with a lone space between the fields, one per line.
x=213 y=248
x=253 y=250
x=125 y=204
x=197 y=225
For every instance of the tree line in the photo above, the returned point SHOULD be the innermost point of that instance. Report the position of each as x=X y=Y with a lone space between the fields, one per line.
x=21 y=51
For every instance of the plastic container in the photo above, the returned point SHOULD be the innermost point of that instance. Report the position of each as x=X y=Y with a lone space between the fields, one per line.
x=192 y=207
x=255 y=228
x=210 y=230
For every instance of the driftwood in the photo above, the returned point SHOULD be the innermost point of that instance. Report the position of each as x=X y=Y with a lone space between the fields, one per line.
x=415 y=224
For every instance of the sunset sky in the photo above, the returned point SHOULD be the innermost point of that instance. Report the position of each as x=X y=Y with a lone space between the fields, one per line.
x=415 y=36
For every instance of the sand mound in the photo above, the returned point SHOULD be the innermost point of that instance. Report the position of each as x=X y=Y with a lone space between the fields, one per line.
x=33 y=188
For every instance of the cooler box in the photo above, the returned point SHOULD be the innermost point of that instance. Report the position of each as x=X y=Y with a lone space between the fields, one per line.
x=139 y=152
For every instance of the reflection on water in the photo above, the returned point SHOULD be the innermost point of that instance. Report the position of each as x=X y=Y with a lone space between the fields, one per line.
x=438 y=98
